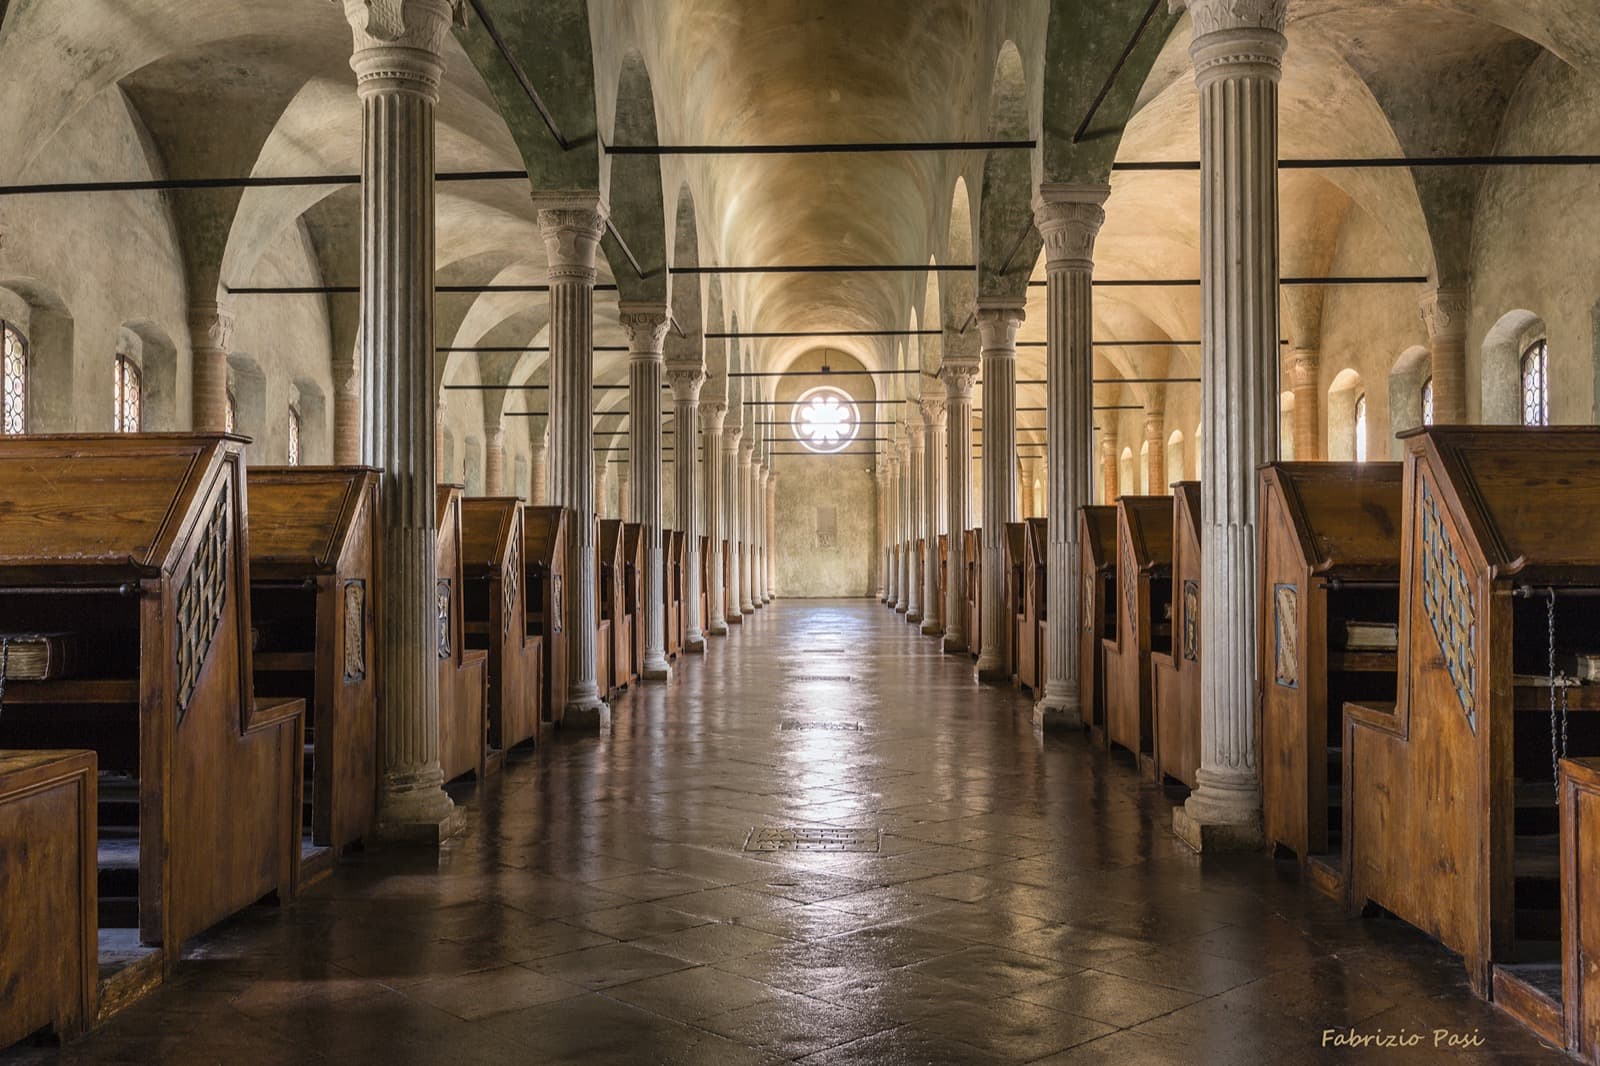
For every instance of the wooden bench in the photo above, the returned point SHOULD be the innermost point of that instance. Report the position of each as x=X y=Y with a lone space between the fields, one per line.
x=611 y=636
x=1329 y=555
x=1097 y=628
x=633 y=563
x=463 y=671
x=1144 y=622
x=1030 y=632
x=1450 y=814
x=314 y=602
x=972 y=562
x=493 y=545
x=1013 y=565
x=1580 y=910
x=705 y=585
x=944 y=581
x=49 y=941
x=1175 y=672
x=544 y=548
x=136 y=548
x=672 y=591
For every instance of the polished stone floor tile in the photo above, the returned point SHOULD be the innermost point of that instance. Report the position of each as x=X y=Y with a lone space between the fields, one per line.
x=1028 y=902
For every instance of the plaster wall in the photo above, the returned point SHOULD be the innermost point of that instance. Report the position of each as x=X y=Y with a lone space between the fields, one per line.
x=809 y=563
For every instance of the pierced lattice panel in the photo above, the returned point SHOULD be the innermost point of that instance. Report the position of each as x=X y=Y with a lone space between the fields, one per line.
x=200 y=601
x=1451 y=605
x=355 y=630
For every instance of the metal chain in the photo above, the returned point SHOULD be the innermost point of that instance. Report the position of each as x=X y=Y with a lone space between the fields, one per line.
x=5 y=659
x=1555 y=755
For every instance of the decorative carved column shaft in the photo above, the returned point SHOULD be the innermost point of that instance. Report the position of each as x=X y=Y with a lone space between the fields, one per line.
x=997 y=327
x=958 y=381
x=1444 y=312
x=732 y=526
x=646 y=325
x=494 y=461
x=933 y=417
x=1305 y=380
x=1238 y=51
x=571 y=227
x=712 y=416
x=916 y=468
x=686 y=383
x=1069 y=218
x=210 y=339
x=398 y=66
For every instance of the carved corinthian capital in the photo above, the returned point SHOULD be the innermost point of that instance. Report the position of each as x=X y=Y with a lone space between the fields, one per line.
x=958 y=379
x=998 y=319
x=686 y=383
x=571 y=225
x=646 y=324
x=713 y=413
x=933 y=411
x=1215 y=16
x=1069 y=218
x=399 y=43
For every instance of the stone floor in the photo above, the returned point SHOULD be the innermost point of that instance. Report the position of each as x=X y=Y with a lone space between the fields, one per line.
x=1028 y=904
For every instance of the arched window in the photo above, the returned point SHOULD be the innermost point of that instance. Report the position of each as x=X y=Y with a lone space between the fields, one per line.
x=230 y=417
x=294 y=437
x=1427 y=402
x=1361 y=428
x=127 y=400
x=1536 y=384
x=14 y=397
x=825 y=419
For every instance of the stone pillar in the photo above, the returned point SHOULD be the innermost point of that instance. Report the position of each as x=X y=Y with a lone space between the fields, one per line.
x=1069 y=218
x=1109 y=474
x=1444 y=312
x=539 y=461
x=1025 y=503
x=398 y=65
x=346 y=411
x=624 y=494
x=686 y=385
x=958 y=380
x=494 y=461
x=998 y=320
x=915 y=468
x=572 y=226
x=1155 y=459
x=1238 y=52
x=933 y=416
x=772 y=534
x=712 y=416
x=210 y=337
x=758 y=518
x=880 y=474
x=646 y=326
x=732 y=526
x=892 y=521
x=905 y=508
x=1306 y=381
x=746 y=538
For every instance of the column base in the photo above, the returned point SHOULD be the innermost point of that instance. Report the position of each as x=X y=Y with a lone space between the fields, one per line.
x=932 y=627
x=913 y=616
x=1053 y=712
x=954 y=645
x=901 y=608
x=747 y=608
x=656 y=669
x=736 y=619
x=695 y=643
x=586 y=715
x=717 y=629
x=1220 y=819
x=414 y=809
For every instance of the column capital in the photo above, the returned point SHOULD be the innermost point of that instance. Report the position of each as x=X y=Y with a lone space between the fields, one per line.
x=1235 y=38
x=1444 y=312
x=399 y=44
x=917 y=430
x=646 y=324
x=686 y=383
x=571 y=224
x=933 y=411
x=712 y=415
x=747 y=450
x=211 y=325
x=1069 y=218
x=1218 y=16
x=998 y=319
x=730 y=439
x=1108 y=446
x=772 y=479
x=958 y=378
x=1304 y=364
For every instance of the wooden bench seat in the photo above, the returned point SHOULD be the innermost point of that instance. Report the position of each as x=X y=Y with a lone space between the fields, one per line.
x=493 y=548
x=1144 y=622
x=545 y=549
x=1097 y=570
x=1175 y=672
x=463 y=671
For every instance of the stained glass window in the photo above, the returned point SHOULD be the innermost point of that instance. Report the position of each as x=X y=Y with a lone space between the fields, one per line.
x=230 y=418
x=128 y=400
x=294 y=437
x=14 y=398
x=1536 y=385
x=825 y=419
x=1361 y=428
x=1427 y=402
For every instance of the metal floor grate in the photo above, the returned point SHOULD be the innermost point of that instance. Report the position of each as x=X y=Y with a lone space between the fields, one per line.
x=803 y=838
x=823 y=677
x=836 y=727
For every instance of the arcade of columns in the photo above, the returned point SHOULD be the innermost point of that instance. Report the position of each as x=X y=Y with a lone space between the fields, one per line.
x=924 y=485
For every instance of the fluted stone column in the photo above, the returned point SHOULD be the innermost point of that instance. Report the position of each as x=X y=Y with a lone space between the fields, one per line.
x=686 y=383
x=746 y=541
x=1305 y=380
x=958 y=380
x=398 y=66
x=539 y=461
x=494 y=461
x=1444 y=312
x=1155 y=458
x=712 y=416
x=880 y=474
x=905 y=510
x=891 y=462
x=346 y=411
x=933 y=418
x=733 y=527
x=210 y=338
x=772 y=534
x=1109 y=475
x=572 y=226
x=916 y=467
x=758 y=517
x=998 y=320
x=1238 y=51
x=1069 y=218
x=646 y=326
x=441 y=468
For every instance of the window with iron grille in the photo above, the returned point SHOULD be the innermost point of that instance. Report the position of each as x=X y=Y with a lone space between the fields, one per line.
x=128 y=398
x=14 y=377
x=1536 y=384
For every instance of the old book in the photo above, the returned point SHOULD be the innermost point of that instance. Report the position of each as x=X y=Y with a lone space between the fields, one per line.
x=36 y=656
x=1371 y=636
x=1588 y=668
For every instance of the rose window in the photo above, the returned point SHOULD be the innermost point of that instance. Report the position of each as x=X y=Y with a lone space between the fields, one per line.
x=826 y=420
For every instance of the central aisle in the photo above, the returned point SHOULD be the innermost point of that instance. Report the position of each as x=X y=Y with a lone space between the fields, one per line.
x=1028 y=902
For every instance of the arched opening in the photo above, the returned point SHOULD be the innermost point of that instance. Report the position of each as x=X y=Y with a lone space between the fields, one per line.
x=1125 y=474
x=1427 y=401
x=1175 y=467
x=1346 y=389
x=1535 y=377
x=42 y=323
x=247 y=384
x=13 y=380
x=472 y=467
x=1199 y=455
x=1410 y=394
x=1504 y=347
x=1145 y=488
x=1286 y=426
x=1361 y=428
x=158 y=367
x=127 y=385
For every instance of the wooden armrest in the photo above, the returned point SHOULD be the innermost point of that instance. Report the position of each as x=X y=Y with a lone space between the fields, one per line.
x=270 y=711
x=1162 y=658
x=1374 y=714
x=472 y=656
x=1583 y=773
